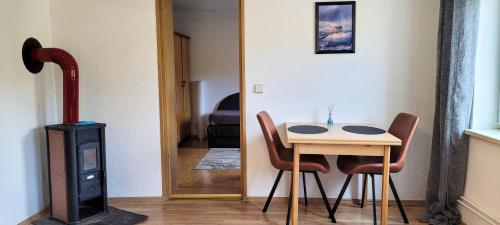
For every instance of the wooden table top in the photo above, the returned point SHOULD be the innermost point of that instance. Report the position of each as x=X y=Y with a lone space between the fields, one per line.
x=335 y=135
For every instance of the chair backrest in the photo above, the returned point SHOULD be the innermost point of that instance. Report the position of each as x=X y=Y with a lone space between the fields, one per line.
x=273 y=140
x=403 y=127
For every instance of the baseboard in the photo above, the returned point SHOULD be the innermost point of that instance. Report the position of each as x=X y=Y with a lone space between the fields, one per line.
x=344 y=201
x=139 y=200
x=135 y=200
x=474 y=214
x=205 y=196
x=35 y=216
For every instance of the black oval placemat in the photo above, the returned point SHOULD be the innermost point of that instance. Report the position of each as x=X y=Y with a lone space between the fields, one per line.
x=363 y=130
x=307 y=129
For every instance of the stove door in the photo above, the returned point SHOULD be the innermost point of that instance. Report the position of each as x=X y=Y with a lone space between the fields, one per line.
x=89 y=171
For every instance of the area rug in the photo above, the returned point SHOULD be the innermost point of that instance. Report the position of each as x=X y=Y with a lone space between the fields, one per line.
x=114 y=217
x=220 y=159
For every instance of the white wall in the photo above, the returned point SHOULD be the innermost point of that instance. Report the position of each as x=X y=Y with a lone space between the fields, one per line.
x=214 y=52
x=114 y=43
x=487 y=86
x=26 y=105
x=392 y=71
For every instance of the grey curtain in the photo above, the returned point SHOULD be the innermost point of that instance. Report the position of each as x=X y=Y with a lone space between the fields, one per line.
x=454 y=95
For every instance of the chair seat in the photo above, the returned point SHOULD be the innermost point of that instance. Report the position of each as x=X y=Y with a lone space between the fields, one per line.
x=365 y=164
x=309 y=163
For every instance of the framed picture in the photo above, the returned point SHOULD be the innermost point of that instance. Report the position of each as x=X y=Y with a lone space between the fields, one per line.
x=335 y=27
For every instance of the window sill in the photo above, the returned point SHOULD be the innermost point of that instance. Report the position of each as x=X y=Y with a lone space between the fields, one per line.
x=490 y=135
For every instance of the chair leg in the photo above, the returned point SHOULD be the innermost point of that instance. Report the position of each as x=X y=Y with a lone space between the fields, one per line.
x=374 y=200
x=396 y=196
x=289 y=203
x=341 y=194
x=275 y=185
x=325 y=199
x=305 y=189
x=363 y=195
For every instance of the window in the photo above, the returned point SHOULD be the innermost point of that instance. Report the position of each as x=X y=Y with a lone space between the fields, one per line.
x=486 y=112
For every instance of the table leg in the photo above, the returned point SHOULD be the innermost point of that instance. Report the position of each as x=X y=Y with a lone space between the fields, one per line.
x=295 y=191
x=385 y=185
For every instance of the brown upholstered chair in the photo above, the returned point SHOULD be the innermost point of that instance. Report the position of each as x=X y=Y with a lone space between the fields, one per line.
x=403 y=127
x=282 y=159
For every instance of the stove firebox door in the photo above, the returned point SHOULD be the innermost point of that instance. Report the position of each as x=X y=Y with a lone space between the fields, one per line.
x=89 y=171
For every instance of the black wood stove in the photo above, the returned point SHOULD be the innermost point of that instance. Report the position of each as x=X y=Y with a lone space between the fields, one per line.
x=76 y=150
x=77 y=167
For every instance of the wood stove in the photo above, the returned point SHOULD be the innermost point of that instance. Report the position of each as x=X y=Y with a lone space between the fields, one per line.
x=77 y=167
x=76 y=150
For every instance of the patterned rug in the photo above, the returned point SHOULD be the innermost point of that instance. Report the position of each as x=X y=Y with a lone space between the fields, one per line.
x=220 y=159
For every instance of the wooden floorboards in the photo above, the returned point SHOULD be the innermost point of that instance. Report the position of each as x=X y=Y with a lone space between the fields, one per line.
x=191 y=181
x=231 y=212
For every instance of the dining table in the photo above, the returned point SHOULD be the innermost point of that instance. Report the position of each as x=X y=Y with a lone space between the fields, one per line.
x=323 y=139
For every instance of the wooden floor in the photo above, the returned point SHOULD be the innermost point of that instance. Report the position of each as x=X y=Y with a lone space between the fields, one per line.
x=191 y=181
x=231 y=212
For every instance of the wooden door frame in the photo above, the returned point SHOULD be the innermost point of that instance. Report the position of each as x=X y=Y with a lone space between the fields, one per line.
x=166 y=72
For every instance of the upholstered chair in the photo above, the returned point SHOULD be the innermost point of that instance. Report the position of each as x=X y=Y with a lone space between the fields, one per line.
x=403 y=127
x=282 y=159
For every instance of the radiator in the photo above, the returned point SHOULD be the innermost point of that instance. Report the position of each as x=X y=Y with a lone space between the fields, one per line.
x=197 y=122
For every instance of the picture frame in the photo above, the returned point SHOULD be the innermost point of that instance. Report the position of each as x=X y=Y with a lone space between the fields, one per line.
x=335 y=30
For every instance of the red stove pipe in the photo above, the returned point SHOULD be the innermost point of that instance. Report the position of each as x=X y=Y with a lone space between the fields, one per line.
x=70 y=78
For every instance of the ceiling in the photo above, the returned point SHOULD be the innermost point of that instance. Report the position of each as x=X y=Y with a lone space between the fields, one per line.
x=199 y=5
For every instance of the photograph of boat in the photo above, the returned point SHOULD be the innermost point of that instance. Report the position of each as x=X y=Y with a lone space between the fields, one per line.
x=335 y=27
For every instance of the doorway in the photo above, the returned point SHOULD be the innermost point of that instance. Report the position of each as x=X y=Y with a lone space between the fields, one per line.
x=200 y=54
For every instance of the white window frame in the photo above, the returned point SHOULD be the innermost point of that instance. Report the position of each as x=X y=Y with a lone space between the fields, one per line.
x=498 y=112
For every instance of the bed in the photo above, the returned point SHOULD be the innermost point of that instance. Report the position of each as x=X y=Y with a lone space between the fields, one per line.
x=223 y=130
